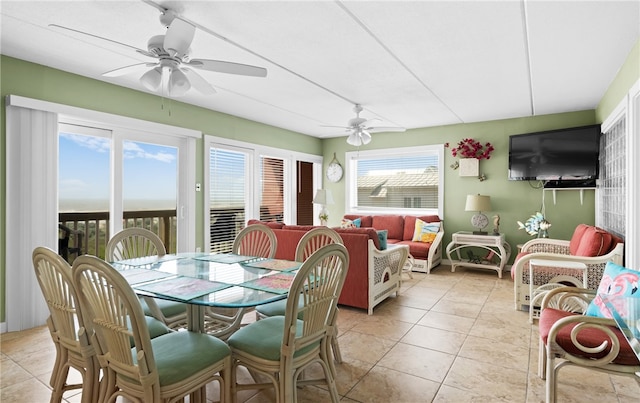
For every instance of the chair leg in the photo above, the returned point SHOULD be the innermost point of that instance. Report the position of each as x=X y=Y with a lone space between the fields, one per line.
x=551 y=378
x=542 y=360
x=61 y=372
x=336 y=350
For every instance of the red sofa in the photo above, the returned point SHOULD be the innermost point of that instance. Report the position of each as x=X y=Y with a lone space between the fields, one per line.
x=426 y=255
x=373 y=274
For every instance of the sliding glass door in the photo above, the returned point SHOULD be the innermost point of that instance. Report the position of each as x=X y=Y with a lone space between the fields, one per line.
x=113 y=179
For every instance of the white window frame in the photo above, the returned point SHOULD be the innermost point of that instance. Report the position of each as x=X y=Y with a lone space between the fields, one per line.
x=24 y=308
x=351 y=178
x=629 y=109
x=254 y=153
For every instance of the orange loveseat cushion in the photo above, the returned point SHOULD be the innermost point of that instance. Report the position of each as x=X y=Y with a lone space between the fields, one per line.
x=594 y=242
x=574 y=243
x=587 y=337
x=392 y=223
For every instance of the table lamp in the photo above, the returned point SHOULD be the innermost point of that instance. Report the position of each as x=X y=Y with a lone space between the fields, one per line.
x=323 y=197
x=478 y=203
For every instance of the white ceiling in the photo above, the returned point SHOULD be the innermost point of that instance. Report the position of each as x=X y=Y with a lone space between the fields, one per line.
x=410 y=63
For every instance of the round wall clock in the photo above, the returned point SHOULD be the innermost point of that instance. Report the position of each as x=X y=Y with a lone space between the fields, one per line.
x=334 y=170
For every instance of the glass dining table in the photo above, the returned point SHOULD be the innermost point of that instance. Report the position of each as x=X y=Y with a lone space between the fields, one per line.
x=203 y=280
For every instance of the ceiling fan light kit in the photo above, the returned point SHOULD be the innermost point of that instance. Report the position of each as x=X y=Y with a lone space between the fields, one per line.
x=360 y=128
x=172 y=73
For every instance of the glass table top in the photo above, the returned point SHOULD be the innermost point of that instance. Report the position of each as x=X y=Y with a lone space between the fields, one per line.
x=222 y=280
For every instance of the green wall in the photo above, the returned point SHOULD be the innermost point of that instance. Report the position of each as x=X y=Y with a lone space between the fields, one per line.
x=513 y=201
x=627 y=76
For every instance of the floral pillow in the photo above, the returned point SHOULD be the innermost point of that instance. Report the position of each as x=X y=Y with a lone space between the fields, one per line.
x=345 y=223
x=616 y=281
x=425 y=231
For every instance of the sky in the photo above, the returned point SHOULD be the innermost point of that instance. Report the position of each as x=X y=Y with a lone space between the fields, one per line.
x=150 y=171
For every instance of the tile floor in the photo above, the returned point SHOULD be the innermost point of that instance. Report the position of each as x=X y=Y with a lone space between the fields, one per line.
x=448 y=337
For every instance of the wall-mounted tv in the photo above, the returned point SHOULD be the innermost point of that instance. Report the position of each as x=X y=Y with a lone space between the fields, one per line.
x=562 y=158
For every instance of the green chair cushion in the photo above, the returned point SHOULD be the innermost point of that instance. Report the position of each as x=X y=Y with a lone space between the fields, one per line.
x=179 y=355
x=168 y=308
x=264 y=338
x=278 y=308
x=156 y=328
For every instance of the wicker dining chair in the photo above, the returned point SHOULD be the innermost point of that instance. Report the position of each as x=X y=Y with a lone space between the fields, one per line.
x=282 y=347
x=70 y=336
x=254 y=240
x=138 y=242
x=165 y=368
x=308 y=244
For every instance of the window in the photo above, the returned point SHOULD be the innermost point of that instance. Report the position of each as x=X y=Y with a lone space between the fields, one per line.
x=401 y=181
x=246 y=181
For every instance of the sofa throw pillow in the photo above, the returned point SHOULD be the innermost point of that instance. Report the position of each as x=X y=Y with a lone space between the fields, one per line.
x=425 y=231
x=346 y=223
x=616 y=281
x=382 y=236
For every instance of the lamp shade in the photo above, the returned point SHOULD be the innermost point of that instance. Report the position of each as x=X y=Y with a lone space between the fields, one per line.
x=478 y=203
x=323 y=196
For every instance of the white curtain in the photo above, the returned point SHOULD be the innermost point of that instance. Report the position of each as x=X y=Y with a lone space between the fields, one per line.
x=31 y=209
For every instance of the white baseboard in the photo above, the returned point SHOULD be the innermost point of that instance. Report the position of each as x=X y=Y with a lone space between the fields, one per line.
x=3 y=327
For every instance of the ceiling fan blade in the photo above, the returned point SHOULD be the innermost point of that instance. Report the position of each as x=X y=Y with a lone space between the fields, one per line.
x=385 y=129
x=199 y=83
x=141 y=51
x=228 y=67
x=128 y=69
x=179 y=37
x=337 y=127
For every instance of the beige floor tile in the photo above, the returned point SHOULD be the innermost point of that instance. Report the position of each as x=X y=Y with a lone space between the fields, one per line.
x=457 y=308
x=400 y=312
x=496 y=381
x=515 y=335
x=447 y=394
x=385 y=385
x=626 y=385
x=364 y=347
x=494 y=351
x=468 y=298
x=434 y=339
x=418 y=361
x=445 y=321
x=383 y=326
x=12 y=374
x=30 y=390
x=414 y=300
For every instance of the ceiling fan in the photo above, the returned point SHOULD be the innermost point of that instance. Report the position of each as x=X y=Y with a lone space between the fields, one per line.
x=172 y=70
x=360 y=128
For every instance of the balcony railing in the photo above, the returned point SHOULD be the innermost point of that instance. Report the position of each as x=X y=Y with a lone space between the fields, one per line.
x=88 y=232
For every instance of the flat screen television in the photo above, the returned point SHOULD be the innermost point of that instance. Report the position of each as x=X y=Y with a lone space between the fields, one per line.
x=562 y=158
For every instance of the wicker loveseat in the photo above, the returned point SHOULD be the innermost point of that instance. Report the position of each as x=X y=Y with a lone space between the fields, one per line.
x=589 y=245
x=426 y=255
x=374 y=273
